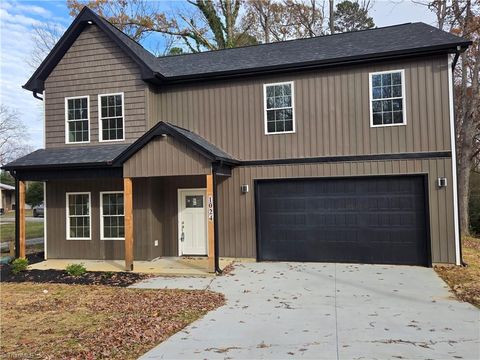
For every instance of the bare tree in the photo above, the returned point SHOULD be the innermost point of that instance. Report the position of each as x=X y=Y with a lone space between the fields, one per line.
x=462 y=18
x=44 y=39
x=13 y=135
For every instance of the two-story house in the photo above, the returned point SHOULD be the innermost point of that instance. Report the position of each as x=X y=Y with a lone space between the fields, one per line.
x=337 y=148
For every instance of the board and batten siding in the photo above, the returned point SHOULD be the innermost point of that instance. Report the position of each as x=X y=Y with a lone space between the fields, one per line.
x=155 y=217
x=236 y=215
x=166 y=156
x=332 y=115
x=94 y=65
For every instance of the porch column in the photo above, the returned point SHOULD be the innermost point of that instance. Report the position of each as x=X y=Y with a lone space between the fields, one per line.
x=21 y=219
x=210 y=225
x=128 y=211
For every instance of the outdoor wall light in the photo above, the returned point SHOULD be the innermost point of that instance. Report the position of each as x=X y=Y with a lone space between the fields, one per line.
x=441 y=182
x=244 y=188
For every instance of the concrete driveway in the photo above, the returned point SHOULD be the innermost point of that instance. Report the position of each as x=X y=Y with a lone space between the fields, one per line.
x=325 y=311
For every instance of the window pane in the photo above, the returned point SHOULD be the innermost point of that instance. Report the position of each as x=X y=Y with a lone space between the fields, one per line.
x=271 y=126
x=396 y=78
x=387 y=105
x=397 y=91
x=377 y=119
x=386 y=79
x=387 y=117
x=289 y=125
x=280 y=126
x=376 y=80
x=398 y=117
x=377 y=92
x=376 y=106
x=397 y=104
x=287 y=89
x=270 y=91
x=386 y=92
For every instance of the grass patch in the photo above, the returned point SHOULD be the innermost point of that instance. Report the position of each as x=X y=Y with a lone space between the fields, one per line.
x=91 y=322
x=34 y=230
x=11 y=213
x=465 y=281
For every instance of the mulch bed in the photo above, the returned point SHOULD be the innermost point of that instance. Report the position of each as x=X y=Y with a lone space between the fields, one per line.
x=120 y=279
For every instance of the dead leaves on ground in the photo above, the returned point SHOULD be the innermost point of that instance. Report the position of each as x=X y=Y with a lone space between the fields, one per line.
x=91 y=322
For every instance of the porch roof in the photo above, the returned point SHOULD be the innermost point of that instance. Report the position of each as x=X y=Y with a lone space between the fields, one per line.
x=113 y=156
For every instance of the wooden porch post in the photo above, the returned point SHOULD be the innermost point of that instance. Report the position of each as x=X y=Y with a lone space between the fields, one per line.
x=21 y=219
x=210 y=225
x=128 y=211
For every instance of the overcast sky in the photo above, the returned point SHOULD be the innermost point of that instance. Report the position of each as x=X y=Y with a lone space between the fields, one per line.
x=17 y=19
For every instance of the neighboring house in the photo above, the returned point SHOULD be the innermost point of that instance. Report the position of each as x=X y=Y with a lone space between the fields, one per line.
x=7 y=198
x=336 y=148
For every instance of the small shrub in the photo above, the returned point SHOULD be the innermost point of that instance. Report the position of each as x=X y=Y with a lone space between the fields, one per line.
x=108 y=274
x=76 y=269
x=19 y=265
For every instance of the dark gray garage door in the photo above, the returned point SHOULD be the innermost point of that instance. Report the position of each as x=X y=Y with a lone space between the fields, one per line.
x=375 y=220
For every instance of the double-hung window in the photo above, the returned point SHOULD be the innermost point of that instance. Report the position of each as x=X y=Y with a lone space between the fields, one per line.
x=78 y=216
x=112 y=216
x=77 y=127
x=387 y=98
x=111 y=117
x=279 y=108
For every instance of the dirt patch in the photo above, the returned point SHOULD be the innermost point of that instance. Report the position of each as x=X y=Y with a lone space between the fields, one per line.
x=465 y=281
x=52 y=321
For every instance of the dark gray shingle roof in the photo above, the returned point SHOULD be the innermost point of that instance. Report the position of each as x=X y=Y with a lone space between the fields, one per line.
x=406 y=39
x=330 y=48
x=69 y=156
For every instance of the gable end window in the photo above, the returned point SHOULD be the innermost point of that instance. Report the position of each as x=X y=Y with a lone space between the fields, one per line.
x=279 y=108
x=78 y=216
x=77 y=116
x=111 y=113
x=112 y=216
x=387 y=98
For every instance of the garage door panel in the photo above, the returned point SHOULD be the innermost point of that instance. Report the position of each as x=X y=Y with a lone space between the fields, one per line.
x=370 y=220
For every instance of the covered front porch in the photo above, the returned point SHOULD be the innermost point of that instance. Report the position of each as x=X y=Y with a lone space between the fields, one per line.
x=149 y=206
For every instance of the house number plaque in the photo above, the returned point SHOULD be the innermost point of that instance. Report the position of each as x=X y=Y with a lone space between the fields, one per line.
x=210 y=207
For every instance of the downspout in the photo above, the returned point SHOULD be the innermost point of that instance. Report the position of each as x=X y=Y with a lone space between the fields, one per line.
x=35 y=95
x=215 y=223
x=454 y=162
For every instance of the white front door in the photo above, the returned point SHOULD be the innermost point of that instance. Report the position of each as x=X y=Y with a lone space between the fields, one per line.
x=192 y=222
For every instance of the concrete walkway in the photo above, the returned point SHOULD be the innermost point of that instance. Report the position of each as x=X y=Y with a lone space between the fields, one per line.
x=325 y=311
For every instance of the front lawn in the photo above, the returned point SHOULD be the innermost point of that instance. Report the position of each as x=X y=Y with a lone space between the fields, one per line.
x=51 y=321
x=465 y=281
x=34 y=230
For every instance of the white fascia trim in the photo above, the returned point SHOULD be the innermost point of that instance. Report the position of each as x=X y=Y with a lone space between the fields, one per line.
x=45 y=219
x=102 y=237
x=99 y=107
x=454 y=161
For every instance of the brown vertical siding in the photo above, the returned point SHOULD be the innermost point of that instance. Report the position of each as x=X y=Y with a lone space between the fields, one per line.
x=236 y=215
x=155 y=206
x=332 y=112
x=94 y=65
x=166 y=156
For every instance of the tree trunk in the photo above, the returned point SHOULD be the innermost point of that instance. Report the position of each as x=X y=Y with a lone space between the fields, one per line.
x=331 y=20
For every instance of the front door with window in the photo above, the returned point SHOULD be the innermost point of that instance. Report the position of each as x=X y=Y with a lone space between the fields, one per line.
x=192 y=222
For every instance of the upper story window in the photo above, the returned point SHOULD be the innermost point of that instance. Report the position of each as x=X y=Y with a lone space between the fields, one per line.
x=111 y=112
x=77 y=110
x=279 y=108
x=387 y=98
x=78 y=216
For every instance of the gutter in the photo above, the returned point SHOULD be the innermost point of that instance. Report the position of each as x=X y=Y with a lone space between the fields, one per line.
x=458 y=51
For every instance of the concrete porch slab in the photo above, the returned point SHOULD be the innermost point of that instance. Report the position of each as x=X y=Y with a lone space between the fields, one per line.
x=168 y=266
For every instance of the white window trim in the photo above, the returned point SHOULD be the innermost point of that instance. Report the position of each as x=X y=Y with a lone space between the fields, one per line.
x=99 y=106
x=102 y=237
x=265 y=108
x=404 y=97
x=67 y=213
x=67 y=141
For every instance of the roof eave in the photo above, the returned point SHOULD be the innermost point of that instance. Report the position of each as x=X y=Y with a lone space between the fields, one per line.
x=441 y=49
x=84 y=18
